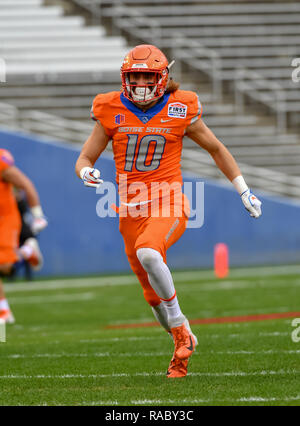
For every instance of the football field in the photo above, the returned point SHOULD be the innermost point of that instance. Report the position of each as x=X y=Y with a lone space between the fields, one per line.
x=88 y=341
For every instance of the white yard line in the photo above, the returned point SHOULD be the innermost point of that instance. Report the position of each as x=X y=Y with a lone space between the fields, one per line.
x=71 y=283
x=211 y=400
x=71 y=297
x=146 y=374
x=204 y=314
x=275 y=334
x=96 y=403
x=123 y=339
x=144 y=338
x=256 y=271
x=188 y=401
x=144 y=354
x=253 y=311
x=180 y=284
x=125 y=280
x=239 y=285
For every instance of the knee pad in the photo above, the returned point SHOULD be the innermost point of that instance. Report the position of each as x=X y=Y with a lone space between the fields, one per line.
x=148 y=257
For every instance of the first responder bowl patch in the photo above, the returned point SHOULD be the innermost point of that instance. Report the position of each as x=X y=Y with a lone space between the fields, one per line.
x=177 y=110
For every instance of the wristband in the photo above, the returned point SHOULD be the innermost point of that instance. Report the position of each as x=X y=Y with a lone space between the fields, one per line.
x=240 y=184
x=37 y=211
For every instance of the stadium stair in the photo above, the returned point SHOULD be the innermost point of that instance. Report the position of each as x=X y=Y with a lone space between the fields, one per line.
x=56 y=64
x=262 y=37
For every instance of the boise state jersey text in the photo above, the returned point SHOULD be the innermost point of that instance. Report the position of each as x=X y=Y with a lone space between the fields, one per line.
x=147 y=145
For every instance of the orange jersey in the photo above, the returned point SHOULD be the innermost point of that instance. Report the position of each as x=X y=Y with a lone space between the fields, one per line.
x=146 y=145
x=10 y=220
x=8 y=205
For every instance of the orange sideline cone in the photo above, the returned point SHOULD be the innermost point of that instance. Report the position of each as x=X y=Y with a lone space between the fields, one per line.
x=221 y=260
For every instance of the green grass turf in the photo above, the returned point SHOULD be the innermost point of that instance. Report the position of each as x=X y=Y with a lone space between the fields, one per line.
x=61 y=353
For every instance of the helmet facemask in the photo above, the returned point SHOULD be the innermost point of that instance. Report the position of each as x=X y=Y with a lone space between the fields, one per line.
x=145 y=93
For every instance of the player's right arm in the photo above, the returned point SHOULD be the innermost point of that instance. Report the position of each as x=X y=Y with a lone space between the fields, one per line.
x=91 y=151
x=17 y=178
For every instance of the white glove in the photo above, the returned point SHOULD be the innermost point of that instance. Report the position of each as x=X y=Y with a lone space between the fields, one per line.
x=251 y=203
x=91 y=177
x=39 y=221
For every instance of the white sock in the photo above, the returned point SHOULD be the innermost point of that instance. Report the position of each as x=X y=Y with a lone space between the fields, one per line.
x=161 y=281
x=174 y=311
x=161 y=314
x=4 y=306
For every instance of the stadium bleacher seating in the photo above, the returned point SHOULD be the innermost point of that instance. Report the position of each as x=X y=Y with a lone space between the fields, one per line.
x=260 y=36
x=46 y=41
x=56 y=64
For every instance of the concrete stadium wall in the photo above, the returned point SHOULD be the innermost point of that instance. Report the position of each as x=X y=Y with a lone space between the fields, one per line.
x=77 y=241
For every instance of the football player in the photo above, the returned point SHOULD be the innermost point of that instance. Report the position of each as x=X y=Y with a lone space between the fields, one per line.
x=146 y=122
x=10 y=225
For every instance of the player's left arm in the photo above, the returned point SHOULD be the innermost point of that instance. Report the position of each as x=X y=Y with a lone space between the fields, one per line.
x=18 y=179
x=204 y=137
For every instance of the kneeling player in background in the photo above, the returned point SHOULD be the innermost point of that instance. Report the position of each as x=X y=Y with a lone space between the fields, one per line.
x=10 y=224
x=146 y=123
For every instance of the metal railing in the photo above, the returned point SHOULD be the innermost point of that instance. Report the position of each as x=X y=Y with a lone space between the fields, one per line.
x=246 y=82
x=8 y=114
x=201 y=58
x=252 y=84
x=150 y=26
x=183 y=49
x=193 y=161
x=93 y=7
x=259 y=178
x=44 y=124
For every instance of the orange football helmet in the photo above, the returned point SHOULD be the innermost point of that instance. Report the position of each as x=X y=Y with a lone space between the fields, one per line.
x=145 y=58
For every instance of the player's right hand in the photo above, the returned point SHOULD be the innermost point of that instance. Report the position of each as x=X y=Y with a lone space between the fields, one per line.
x=39 y=222
x=91 y=177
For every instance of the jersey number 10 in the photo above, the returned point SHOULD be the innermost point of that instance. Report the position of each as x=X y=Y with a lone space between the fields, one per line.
x=141 y=157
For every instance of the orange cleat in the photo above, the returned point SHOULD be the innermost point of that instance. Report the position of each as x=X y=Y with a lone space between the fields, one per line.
x=177 y=368
x=184 y=342
x=7 y=316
